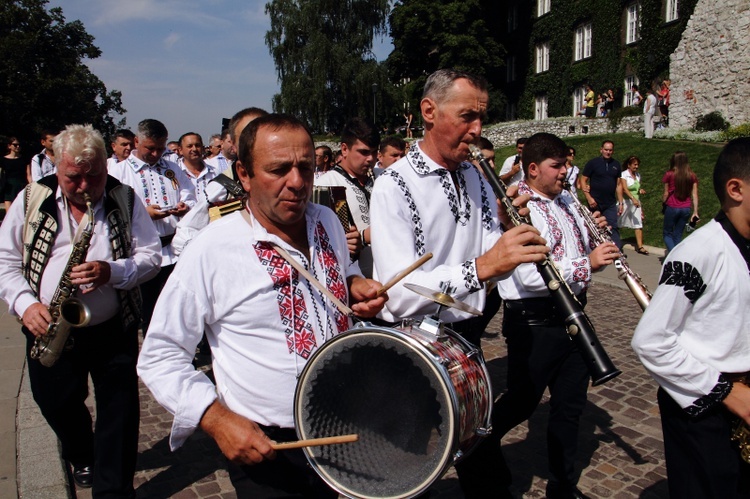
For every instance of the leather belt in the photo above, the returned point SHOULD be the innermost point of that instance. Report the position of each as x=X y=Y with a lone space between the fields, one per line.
x=738 y=377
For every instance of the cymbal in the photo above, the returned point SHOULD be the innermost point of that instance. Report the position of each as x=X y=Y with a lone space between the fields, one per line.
x=442 y=298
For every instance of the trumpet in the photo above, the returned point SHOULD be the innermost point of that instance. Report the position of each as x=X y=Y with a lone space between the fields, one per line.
x=577 y=324
x=603 y=234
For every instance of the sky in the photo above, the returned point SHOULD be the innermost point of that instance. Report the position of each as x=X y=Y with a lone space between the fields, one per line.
x=187 y=63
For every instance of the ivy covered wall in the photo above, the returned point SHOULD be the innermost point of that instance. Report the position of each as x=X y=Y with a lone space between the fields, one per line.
x=611 y=58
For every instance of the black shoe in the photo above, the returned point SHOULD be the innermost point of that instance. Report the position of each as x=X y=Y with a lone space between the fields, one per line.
x=557 y=491
x=83 y=476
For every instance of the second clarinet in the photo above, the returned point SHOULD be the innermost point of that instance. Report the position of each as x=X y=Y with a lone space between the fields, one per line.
x=577 y=323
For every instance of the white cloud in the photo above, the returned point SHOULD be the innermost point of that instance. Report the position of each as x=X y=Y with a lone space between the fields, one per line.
x=170 y=40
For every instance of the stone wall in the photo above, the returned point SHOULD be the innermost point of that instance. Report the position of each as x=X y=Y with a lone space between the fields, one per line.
x=506 y=133
x=710 y=69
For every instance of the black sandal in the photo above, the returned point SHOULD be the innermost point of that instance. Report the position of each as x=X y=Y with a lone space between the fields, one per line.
x=642 y=250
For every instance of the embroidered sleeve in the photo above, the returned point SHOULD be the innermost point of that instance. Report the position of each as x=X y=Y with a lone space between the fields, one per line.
x=683 y=275
x=718 y=393
x=469 y=271
x=581 y=269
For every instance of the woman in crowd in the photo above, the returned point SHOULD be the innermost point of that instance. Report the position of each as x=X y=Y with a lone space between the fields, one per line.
x=632 y=215
x=680 y=188
x=14 y=172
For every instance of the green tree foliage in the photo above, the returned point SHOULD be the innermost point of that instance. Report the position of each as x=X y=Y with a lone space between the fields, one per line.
x=43 y=80
x=434 y=34
x=322 y=51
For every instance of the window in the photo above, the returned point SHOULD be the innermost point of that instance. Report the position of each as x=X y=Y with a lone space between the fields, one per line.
x=512 y=18
x=579 y=101
x=583 y=42
x=510 y=69
x=540 y=107
x=634 y=24
x=542 y=57
x=542 y=7
x=628 y=96
x=671 y=10
x=511 y=111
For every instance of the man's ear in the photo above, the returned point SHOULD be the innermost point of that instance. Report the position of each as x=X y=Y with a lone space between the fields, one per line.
x=344 y=150
x=429 y=109
x=533 y=170
x=243 y=176
x=736 y=189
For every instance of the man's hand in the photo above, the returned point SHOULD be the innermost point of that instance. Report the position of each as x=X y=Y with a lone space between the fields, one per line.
x=738 y=401
x=362 y=296
x=179 y=210
x=156 y=213
x=239 y=439
x=521 y=244
x=353 y=241
x=94 y=273
x=36 y=318
x=603 y=255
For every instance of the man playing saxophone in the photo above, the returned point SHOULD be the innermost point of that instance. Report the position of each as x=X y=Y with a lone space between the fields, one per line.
x=42 y=251
x=694 y=341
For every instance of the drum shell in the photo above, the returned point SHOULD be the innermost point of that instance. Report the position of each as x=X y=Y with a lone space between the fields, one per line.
x=417 y=402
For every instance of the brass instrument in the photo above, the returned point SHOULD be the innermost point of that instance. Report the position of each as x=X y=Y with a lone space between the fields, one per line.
x=577 y=324
x=67 y=312
x=218 y=210
x=603 y=234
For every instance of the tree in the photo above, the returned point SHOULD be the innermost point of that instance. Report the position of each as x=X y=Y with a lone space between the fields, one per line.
x=43 y=80
x=322 y=52
x=432 y=34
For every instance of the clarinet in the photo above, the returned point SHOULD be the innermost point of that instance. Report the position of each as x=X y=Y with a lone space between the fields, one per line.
x=577 y=323
x=601 y=235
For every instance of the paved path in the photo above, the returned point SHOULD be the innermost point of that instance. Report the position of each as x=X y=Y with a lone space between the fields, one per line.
x=621 y=454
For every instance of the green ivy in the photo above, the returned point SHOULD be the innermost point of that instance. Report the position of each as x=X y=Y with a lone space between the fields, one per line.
x=610 y=57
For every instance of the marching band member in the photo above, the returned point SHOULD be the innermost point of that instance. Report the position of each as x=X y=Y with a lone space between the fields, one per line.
x=434 y=200
x=262 y=317
x=694 y=341
x=540 y=352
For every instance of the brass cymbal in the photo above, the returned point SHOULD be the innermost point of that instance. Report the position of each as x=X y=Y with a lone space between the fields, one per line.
x=442 y=298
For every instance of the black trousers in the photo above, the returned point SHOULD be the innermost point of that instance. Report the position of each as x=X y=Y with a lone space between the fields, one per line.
x=287 y=476
x=701 y=460
x=109 y=354
x=150 y=291
x=540 y=355
x=472 y=329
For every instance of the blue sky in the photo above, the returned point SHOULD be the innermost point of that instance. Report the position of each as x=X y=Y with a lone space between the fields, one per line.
x=187 y=63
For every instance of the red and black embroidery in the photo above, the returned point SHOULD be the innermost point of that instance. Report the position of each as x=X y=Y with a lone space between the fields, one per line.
x=335 y=279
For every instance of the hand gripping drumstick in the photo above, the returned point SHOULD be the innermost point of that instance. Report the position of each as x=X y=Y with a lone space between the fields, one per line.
x=311 y=442
x=408 y=270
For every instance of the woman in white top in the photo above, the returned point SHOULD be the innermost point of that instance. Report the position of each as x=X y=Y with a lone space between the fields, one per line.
x=632 y=215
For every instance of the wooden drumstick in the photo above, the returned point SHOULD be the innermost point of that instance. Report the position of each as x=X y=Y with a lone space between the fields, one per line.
x=311 y=442
x=408 y=270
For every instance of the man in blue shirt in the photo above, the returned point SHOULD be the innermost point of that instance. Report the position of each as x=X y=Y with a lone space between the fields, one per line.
x=600 y=182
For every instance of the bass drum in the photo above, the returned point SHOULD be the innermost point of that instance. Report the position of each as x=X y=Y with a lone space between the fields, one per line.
x=418 y=402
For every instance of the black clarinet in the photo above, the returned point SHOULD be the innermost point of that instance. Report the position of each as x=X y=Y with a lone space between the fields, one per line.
x=577 y=323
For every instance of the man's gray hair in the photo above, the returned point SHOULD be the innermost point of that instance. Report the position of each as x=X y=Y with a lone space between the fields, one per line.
x=440 y=82
x=82 y=144
x=152 y=129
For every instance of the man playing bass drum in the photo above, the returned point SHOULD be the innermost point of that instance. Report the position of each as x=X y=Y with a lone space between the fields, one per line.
x=540 y=352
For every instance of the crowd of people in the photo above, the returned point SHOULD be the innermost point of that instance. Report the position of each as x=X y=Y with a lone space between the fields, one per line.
x=292 y=274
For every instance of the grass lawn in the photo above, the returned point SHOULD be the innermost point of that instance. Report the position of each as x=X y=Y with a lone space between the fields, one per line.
x=654 y=156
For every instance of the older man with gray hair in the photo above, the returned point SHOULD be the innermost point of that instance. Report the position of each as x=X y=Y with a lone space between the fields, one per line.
x=49 y=219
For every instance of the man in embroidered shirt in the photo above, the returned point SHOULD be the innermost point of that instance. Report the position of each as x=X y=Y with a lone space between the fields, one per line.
x=43 y=164
x=359 y=149
x=122 y=144
x=166 y=192
x=191 y=161
x=540 y=353
x=123 y=252
x=434 y=200
x=262 y=318
x=694 y=341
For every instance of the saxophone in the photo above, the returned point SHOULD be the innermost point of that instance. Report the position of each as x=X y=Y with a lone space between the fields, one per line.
x=600 y=235
x=67 y=312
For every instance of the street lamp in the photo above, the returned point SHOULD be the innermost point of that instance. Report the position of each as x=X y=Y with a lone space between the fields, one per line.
x=374 y=94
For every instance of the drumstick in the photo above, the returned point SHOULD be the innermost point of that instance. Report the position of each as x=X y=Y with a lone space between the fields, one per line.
x=408 y=270
x=311 y=442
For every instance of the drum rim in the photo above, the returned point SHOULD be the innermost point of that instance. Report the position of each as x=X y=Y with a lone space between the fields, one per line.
x=449 y=454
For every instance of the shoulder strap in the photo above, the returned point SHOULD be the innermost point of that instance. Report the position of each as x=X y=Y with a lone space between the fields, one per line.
x=230 y=185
